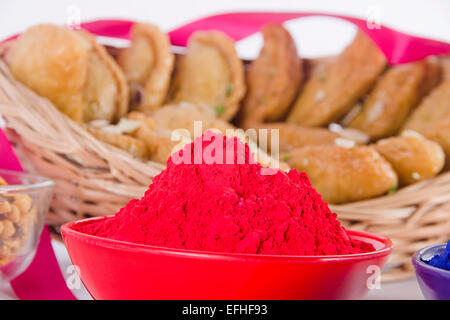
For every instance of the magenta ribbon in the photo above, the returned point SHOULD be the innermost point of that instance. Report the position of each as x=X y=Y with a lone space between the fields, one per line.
x=43 y=279
x=398 y=47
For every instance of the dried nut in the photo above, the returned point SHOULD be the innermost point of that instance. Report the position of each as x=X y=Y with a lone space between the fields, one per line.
x=5 y=253
x=8 y=229
x=5 y=207
x=19 y=233
x=14 y=214
x=16 y=221
x=14 y=244
x=9 y=197
x=23 y=202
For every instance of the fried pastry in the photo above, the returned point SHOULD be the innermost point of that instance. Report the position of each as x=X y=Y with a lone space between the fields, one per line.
x=106 y=93
x=121 y=140
x=157 y=131
x=159 y=142
x=344 y=174
x=441 y=134
x=273 y=78
x=148 y=64
x=292 y=136
x=130 y=144
x=394 y=96
x=432 y=117
x=159 y=125
x=52 y=61
x=183 y=115
x=412 y=156
x=142 y=118
x=310 y=65
x=211 y=74
x=261 y=155
x=433 y=109
x=445 y=63
x=71 y=70
x=337 y=84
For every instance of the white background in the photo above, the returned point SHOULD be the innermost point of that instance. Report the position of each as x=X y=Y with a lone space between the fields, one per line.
x=425 y=18
x=429 y=18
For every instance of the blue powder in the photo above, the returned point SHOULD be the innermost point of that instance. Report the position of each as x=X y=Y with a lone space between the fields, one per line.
x=442 y=261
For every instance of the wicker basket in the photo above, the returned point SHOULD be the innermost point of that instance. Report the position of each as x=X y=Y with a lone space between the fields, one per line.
x=94 y=179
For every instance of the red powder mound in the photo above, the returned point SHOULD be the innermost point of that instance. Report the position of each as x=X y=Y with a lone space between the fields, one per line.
x=234 y=208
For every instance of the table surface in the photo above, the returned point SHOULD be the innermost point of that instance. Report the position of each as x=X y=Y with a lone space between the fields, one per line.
x=400 y=290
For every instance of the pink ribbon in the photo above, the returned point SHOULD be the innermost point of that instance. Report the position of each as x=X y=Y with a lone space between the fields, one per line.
x=398 y=47
x=43 y=279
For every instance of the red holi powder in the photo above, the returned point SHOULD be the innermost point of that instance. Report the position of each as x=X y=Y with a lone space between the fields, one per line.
x=213 y=206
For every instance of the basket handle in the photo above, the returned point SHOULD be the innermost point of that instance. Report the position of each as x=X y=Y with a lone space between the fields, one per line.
x=398 y=47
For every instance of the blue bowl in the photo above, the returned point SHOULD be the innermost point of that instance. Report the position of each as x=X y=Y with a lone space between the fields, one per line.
x=434 y=282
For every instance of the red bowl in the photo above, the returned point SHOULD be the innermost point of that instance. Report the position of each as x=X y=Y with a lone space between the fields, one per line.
x=112 y=269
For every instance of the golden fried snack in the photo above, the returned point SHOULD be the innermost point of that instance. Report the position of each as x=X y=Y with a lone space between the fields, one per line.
x=344 y=174
x=310 y=65
x=433 y=109
x=71 y=70
x=211 y=74
x=183 y=115
x=413 y=157
x=142 y=118
x=432 y=117
x=337 y=84
x=394 y=96
x=273 y=78
x=148 y=64
x=52 y=61
x=159 y=144
x=445 y=63
x=106 y=92
x=157 y=130
x=441 y=134
x=158 y=141
x=158 y=127
x=292 y=136
x=122 y=141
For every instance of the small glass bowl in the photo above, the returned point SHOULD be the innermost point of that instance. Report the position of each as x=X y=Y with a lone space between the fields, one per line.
x=24 y=202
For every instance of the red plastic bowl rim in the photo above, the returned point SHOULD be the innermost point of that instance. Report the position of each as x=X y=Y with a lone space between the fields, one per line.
x=68 y=231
